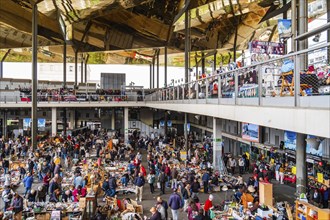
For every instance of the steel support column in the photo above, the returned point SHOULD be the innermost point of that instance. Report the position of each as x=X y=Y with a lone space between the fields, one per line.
x=1 y=63
x=215 y=61
x=293 y=24
x=153 y=72
x=301 y=183
x=150 y=76
x=85 y=69
x=203 y=63
x=303 y=28
x=328 y=10
x=64 y=64
x=82 y=69
x=187 y=43
x=34 y=75
x=165 y=123
x=158 y=68
x=75 y=68
x=126 y=114
x=165 y=66
x=186 y=132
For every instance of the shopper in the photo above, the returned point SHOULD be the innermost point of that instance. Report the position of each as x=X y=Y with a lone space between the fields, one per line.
x=162 y=180
x=17 y=205
x=164 y=204
x=232 y=164
x=155 y=215
x=7 y=179
x=151 y=180
x=7 y=196
x=175 y=202
x=186 y=195
x=139 y=183
x=208 y=205
x=195 y=187
x=206 y=179
x=277 y=171
x=192 y=210
x=174 y=174
x=325 y=196
x=41 y=194
x=28 y=180
x=281 y=173
x=241 y=165
x=112 y=185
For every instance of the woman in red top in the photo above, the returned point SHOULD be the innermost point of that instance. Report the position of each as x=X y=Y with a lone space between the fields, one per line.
x=79 y=192
x=143 y=170
x=208 y=204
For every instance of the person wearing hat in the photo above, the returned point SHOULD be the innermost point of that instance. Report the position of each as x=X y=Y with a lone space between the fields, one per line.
x=175 y=202
x=155 y=215
x=247 y=197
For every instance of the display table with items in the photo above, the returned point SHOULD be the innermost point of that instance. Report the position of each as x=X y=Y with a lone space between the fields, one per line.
x=307 y=211
x=46 y=210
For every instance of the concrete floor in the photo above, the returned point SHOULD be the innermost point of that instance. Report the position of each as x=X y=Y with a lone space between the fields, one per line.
x=281 y=192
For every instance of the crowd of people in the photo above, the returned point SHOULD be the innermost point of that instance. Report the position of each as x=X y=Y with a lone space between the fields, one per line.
x=162 y=170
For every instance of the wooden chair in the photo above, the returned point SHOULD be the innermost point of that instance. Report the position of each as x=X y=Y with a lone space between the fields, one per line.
x=288 y=83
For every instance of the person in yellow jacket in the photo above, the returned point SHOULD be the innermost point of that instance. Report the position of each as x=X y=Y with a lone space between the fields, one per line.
x=110 y=144
x=247 y=197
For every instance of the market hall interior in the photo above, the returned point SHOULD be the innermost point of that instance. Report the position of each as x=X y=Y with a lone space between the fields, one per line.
x=164 y=109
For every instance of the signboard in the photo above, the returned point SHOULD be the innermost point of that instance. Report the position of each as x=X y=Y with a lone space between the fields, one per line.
x=27 y=123
x=264 y=47
x=284 y=28
x=290 y=140
x=42 y=123
x=169 y=123
x=161 y=123
x=250 y=132
x=188 y=127
x=314 y=145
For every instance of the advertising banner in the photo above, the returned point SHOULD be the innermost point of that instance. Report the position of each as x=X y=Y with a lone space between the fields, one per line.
x=314 y=145
x=290 y=140
x=27 y=123
x=263 y=47
x=250 y=132
x=284 y=28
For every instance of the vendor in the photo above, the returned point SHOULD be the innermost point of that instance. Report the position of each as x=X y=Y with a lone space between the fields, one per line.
x=17 y=203
x=79 y=192
x=55 y=196
x=247 y=197
x=155 y=215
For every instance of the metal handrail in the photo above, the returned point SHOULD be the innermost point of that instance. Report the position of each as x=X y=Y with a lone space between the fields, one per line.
x=313 y=32
x=259 y=64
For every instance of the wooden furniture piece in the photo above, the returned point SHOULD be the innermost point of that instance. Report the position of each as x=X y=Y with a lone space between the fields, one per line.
x=288 y=82
x=304 y=211
x=266 y=193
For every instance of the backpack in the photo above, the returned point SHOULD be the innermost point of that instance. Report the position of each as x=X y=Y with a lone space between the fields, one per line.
x=151 y=179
